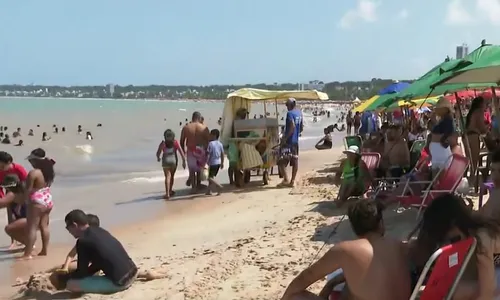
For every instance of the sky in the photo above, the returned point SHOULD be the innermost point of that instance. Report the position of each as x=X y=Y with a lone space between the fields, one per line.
x=203 y=42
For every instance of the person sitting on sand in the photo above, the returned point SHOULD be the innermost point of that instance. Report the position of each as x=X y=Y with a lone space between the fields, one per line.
x=97 y=250
x=194 y=142
x=45 y=137
x=372 y=264
x=325 y=142
x=353 y=176
x=93 y=221
x=31 y=133
x=14 y=200
x=167 y=154
x=39 y=199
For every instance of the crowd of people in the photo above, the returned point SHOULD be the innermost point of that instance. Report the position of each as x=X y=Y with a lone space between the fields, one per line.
x=372 y=265
x=17 y=135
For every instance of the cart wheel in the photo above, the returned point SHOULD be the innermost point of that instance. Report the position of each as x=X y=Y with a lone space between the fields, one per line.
x=265 y=177
x=246 y=176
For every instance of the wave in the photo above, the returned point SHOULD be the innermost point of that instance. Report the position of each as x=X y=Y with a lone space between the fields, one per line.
x=156 y=178
x=84 y=149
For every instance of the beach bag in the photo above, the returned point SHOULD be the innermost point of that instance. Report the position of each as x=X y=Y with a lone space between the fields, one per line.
x=204 y=173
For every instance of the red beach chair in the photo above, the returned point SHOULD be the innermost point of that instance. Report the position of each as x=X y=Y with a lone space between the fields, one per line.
x=448 y=265
x=446 y=181
x=372 y=161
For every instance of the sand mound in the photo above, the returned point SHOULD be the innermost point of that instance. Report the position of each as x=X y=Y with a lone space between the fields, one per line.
x=38 y=284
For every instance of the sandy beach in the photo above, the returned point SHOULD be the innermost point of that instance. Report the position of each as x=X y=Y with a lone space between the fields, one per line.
x=245 y=244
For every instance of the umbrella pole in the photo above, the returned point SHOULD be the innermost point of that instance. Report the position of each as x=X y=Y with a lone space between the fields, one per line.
x=426 y=99
x=465 y=138
x=496 y=107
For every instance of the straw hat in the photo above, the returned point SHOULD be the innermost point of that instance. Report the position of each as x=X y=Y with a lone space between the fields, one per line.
x=443 y=102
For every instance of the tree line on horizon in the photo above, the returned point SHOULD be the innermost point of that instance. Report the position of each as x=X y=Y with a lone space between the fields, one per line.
x=347 y=90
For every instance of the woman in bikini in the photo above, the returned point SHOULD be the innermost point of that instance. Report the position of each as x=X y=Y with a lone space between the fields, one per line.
x=39 y=202
x=167 y=154
x=475 y=126
x=448 y=219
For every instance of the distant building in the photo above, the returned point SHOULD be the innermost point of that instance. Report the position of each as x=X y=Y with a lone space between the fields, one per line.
x=111 y=89
x=462 y=51
x=312 y=85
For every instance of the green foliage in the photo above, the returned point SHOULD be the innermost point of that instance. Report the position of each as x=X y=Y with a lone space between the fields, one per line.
x=336 y=90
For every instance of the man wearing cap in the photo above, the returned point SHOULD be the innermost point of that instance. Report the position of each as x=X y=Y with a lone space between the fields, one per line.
x=290 y=142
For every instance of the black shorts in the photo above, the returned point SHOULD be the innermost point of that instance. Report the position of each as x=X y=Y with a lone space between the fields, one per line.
x=213 y=171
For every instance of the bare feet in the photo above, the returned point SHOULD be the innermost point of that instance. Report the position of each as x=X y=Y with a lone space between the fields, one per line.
x=208 y=193
x=43 y=252
x=25 y=257
x=166 y=197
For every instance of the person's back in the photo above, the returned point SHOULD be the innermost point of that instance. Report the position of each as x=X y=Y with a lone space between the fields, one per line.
x=105 y=252
x=373 y=269
x=196 y=134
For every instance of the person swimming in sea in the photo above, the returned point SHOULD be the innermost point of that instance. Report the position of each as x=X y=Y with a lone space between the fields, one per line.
x=63 y=129
x=99 y=125
x=30 y=133
x=16 y=133
x=19 y=143
x=79 y=130
x=45 y=137
x=89 y=136
x=6 y=140
x=56 y=130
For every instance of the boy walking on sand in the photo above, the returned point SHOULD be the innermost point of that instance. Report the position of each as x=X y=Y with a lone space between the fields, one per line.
x=215 y=156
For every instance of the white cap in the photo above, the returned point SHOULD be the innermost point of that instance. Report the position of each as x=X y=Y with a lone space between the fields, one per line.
x=352 y=149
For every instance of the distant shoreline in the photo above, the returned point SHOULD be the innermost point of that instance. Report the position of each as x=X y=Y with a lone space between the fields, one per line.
x=116 y=99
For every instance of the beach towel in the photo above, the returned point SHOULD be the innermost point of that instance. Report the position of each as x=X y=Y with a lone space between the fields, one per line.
x=250 y=157
x=196 y=158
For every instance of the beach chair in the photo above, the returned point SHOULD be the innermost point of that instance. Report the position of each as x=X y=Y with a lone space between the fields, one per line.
x=353 y=140
x=416 y=151
x=446 y=181
x=448 y=265
x=372 y=160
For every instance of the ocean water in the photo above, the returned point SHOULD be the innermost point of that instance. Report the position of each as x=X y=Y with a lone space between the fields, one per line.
x=124 y=147
x=116 y=174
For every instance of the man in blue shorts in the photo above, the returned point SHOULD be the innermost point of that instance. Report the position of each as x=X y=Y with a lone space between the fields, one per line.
x=290 y=143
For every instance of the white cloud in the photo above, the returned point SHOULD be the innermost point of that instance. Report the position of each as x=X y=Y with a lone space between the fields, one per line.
x=402 y=14
x=457 y=14
x=365 y=11
x=489 y=10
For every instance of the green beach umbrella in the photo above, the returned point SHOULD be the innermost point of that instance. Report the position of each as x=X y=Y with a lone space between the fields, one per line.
x=484 y=71
x=420 y=88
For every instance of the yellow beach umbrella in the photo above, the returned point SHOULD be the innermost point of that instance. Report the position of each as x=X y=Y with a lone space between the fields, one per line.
x=365 y=104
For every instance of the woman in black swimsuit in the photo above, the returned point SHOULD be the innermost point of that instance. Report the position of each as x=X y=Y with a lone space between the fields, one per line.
x=448 y=219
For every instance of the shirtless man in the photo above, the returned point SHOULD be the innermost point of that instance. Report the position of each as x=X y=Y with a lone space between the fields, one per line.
x=373 y=264
x=396 y=156
x=195 y=137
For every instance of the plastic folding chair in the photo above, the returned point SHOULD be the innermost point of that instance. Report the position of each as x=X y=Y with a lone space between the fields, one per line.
x=353 y=140
x=446 y=181
x=448 y=265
